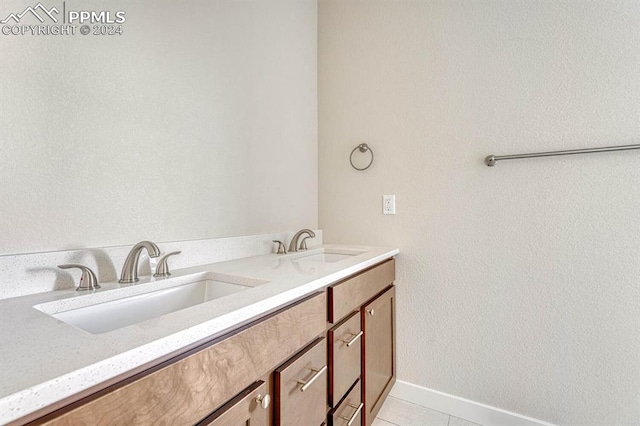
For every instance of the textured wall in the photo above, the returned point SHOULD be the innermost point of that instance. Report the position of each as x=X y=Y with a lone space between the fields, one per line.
x=518 y=285
x=199 y=121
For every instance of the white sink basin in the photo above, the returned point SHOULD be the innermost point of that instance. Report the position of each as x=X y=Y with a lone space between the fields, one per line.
x=328 y=256
x=103 y=316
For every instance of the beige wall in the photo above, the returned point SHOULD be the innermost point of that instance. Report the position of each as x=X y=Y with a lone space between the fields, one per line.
x=518 y=285
x=199 y=121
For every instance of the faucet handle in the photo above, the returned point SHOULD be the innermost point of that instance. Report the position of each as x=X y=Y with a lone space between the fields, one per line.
x=303 y=243
x=281 y=247
x=88 y=281
x=162 y=268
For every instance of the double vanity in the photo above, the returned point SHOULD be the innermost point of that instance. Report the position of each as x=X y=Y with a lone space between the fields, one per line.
x=304 y=338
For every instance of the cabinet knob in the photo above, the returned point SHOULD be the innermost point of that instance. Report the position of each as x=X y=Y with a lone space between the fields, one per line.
x=371 y=312
x=263 y=400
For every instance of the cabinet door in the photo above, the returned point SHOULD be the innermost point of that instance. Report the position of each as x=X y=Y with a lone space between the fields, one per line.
x=379 y=363
x=249 y=408
x=301 y=387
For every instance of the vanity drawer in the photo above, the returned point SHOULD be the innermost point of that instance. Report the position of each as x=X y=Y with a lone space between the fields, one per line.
x=349 y=295
x=349 y=412
x=345 y=344
x=301 y=387
x=187 y=388
x=251 y=406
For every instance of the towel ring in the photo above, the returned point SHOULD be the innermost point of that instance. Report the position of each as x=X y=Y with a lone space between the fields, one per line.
x=363 y=147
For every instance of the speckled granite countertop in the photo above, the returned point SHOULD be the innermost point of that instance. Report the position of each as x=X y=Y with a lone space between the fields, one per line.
x=44 y=360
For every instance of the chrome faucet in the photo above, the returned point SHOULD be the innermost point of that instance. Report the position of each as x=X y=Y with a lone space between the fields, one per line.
x=130 y=268
x=293 y=247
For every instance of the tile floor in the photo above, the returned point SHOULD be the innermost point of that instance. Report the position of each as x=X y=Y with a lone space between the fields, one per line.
x=396 y=412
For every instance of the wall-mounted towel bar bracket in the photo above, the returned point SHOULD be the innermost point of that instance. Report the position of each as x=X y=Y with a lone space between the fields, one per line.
x=492 y=159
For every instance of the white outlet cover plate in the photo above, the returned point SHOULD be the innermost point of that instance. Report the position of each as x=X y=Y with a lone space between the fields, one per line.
x=388 y=204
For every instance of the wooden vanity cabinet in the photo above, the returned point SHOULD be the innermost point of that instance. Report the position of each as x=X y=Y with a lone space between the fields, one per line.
x=362 y=309
x=333 y=350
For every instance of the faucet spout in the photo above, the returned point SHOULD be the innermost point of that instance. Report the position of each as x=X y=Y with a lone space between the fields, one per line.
x=293 y=247
x=130 y=268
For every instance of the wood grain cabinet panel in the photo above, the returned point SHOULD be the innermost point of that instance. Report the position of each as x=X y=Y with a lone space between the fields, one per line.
x=250 y=408
x=379 y=358
x=345 y=341
x=349 y=412
x=186 y=390
x=301 y=387
x=349 y=295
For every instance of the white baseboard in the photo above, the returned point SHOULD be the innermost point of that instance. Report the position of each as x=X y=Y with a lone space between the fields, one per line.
x=459 y=407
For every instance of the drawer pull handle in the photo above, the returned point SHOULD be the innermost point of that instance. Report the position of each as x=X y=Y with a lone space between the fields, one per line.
x=354 y=339
x=351 y=419
x=371 y=312
x=263 y=400
x=306 y=384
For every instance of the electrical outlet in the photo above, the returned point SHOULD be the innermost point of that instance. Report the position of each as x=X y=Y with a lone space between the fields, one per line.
x=388 y=204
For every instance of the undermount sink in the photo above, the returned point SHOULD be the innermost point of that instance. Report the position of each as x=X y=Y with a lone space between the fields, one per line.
x=103 y=316
x=328 y=256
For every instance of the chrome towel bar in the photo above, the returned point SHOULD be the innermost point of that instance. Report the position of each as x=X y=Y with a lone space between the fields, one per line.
x=492 y=159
